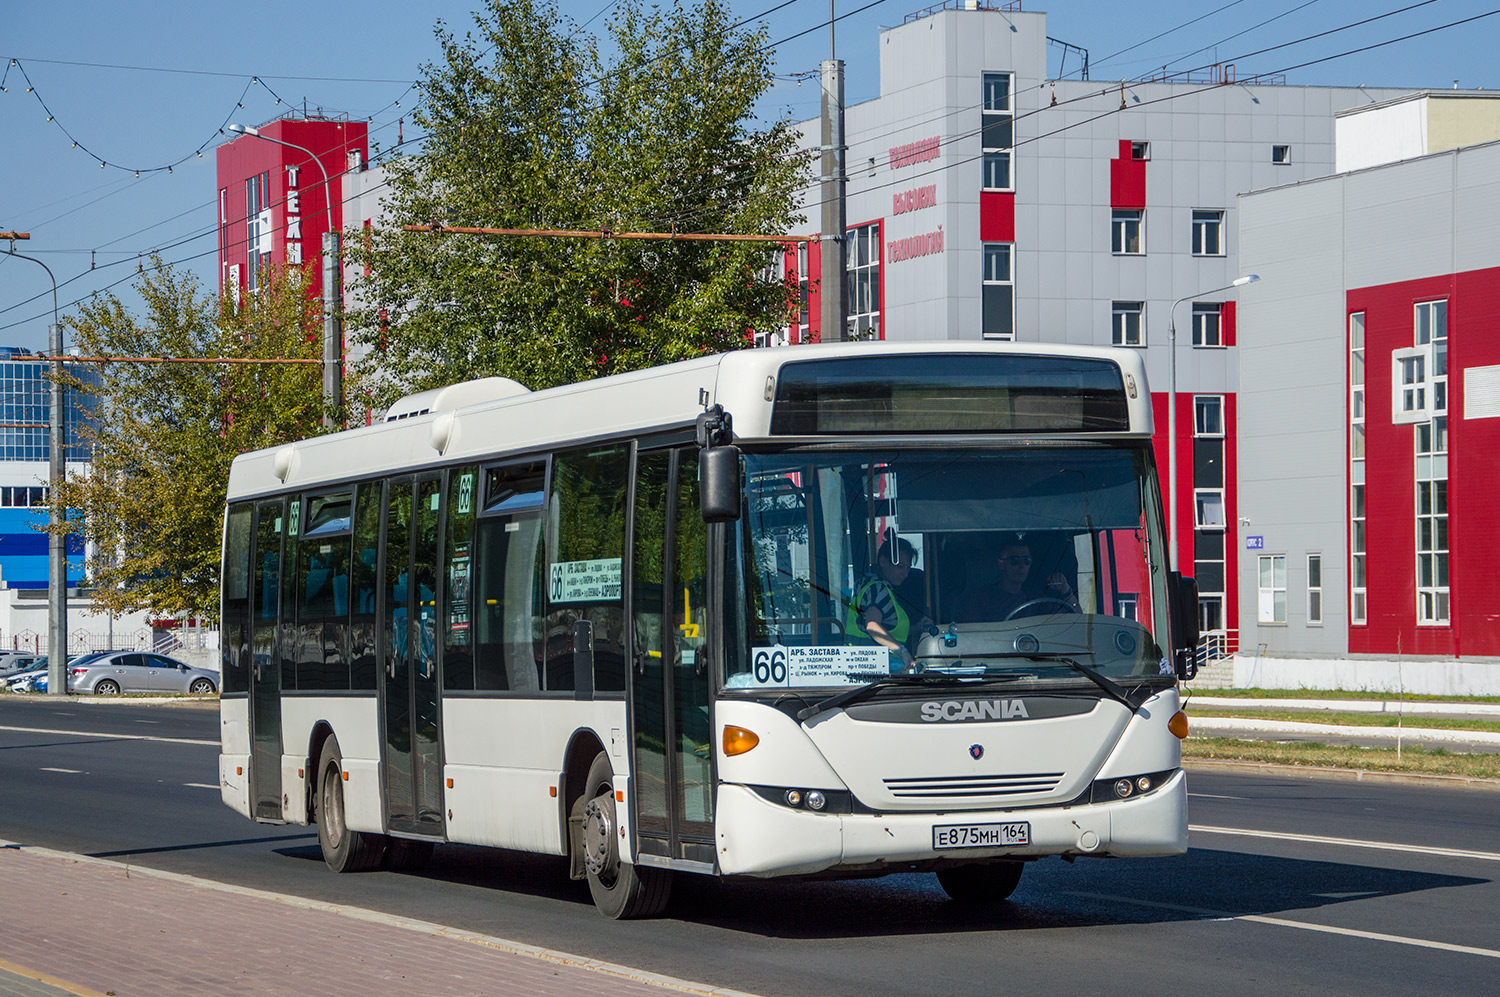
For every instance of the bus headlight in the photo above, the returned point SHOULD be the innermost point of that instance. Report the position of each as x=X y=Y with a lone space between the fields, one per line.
x=815 y=800
x=1123 y=788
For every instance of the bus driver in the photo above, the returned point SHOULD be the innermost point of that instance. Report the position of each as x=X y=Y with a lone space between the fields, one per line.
x=993 y=603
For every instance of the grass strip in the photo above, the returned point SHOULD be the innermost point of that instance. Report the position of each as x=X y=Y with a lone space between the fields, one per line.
x=1415 y=760
x=1209 y=713
x=1333 y=694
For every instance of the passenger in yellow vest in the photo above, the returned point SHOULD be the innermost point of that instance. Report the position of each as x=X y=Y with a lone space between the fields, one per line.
x=876 y=614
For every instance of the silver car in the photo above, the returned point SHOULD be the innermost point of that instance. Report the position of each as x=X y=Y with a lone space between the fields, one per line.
x=139 y=671
x=12 y=662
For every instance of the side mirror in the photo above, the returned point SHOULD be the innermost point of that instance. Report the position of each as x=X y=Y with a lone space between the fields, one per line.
x=719 y=484
x=1183 y=593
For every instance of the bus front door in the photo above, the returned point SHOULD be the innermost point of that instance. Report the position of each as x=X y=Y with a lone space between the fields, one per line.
x=409 y=687
x=672 y=742
x=265 y=667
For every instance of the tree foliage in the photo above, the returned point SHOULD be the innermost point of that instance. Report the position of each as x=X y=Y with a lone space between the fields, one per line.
x=163 y=434
x=528 y=126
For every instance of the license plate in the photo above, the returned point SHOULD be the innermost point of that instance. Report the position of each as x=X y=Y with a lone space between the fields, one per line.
x=981 y=835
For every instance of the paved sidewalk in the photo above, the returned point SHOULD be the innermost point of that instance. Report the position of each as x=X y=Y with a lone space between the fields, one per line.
x=90 y=927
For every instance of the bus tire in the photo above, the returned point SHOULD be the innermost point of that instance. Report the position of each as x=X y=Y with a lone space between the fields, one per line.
x=620 y=890
x=981 y=884
x=344 y=850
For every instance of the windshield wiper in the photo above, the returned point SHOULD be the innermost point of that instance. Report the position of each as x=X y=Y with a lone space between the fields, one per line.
x=858 y=693
x=1109 y=685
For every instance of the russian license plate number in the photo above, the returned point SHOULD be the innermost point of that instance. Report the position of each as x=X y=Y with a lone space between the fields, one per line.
x=981 y=835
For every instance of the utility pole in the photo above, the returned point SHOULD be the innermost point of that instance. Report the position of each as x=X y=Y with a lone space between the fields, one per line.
x=57 y=548
x=833 y=294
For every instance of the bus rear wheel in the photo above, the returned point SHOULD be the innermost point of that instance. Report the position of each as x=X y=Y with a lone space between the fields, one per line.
x=620 y=889
x=344 y=850
x=981 y=884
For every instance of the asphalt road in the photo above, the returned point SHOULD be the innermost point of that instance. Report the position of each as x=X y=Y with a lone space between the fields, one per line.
x=1282 y=897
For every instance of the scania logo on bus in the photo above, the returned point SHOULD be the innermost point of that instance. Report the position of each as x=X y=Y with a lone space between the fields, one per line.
x=976 y=751
x=975 y=709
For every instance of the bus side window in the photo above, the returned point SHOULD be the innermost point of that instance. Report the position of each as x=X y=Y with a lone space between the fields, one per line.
x=586 y=555
x=323 y=587
x=458 y=559
x=235 y=638
x=508 y=594
x=365 y=582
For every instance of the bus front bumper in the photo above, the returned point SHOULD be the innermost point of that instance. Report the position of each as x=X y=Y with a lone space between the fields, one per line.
x=759 y=838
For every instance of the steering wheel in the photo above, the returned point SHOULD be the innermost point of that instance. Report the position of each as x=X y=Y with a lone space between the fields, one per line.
x=1046 y=600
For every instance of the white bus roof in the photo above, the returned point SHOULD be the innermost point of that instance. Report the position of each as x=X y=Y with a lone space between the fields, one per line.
x=658 y=398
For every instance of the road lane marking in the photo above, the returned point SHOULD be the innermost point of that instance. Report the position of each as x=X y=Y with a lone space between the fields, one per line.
x=117 y=737
x=1318 y=839
x=1282 y=922
x=199 y=785
x=1377 y=936
x=1215 y=796
x=64 y=771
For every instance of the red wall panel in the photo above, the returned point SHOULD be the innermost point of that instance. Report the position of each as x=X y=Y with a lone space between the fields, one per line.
x=1228 y=323
x=1127 y=179
x=1184 y=444
x=997 y=216
x=1390 y=491
x=1231 y=515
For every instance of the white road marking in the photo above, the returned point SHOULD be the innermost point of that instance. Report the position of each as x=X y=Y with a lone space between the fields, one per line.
x=1215 y=796
x=1346 y=896
x=124 y=737
x=1282 y=922
x=65 y=771
x=1318 y=839
x=199 y=785
x=1219 y=725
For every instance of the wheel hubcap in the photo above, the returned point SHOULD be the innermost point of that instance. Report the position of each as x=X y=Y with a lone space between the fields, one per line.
x=600 y=856
x=333 y=810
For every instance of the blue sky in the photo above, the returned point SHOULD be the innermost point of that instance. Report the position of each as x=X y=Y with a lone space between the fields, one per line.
x=148 y=84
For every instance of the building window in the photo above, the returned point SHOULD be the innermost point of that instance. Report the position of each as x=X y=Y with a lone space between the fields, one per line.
x=1208 y=324
x=1209 y=505
x=1430 y=321
x=1140 y=150
x=1126 y=323
x=999 y=292
x=1128 y=232
x=1208 y=233
x=1357 y=588
x=1315 y=589
x=864 y=282
x=1409 y=401
x=997 y=130
x=1271 y=595
x=1208 y=415
x=1281 y=155
x=257 y=226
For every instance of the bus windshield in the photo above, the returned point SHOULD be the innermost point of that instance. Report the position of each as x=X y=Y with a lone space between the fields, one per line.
x=971 y=563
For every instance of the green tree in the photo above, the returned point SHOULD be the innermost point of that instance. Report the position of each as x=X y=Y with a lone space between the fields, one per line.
x=163 y=434
x=528 y=126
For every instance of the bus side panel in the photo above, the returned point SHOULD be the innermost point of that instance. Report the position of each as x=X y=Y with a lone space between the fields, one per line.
x=784 y=756
x=356 y=723
x=505 y=756
x=234 y=753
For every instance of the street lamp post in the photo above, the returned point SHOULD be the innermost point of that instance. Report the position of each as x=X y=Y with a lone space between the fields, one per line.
x=1172 y=409
x=333 y=370
x=57 y=557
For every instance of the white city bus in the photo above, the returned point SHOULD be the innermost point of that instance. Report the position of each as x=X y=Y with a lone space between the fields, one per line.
x=630 y=622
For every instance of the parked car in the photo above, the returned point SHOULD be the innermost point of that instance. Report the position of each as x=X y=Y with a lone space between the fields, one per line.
x=25 y=680
x=115 y=672
x=12 y=662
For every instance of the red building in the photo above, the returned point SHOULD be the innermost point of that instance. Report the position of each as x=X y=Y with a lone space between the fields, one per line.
x=274 y=201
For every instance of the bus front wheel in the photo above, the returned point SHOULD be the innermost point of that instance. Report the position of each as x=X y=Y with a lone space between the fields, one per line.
x=978 y=884
x=344 y=850
x=620 y=889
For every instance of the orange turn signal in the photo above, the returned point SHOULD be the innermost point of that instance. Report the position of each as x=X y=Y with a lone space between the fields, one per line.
x=1178 y=724
x=346 y=776
x=619 y=796
x=738 y=740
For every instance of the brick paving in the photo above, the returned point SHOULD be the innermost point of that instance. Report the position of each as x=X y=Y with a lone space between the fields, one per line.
x=89 y=927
